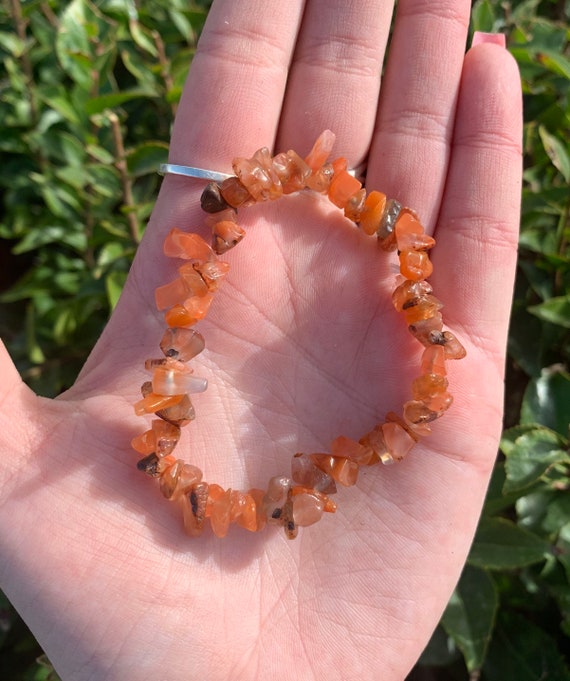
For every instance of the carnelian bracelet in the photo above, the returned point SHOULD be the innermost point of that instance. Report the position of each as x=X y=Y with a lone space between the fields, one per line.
x=301 y=498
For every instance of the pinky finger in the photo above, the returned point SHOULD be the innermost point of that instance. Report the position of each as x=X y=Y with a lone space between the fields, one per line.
x=479 y=219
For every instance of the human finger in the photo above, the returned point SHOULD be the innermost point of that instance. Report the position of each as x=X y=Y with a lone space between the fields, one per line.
x=334 y=78
x=410 y=150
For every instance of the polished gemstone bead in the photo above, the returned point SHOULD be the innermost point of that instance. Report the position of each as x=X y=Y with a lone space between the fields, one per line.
x=170 y=294
x=225 y=235
x=372 y=213
x=375 y=441
x=195 y=283
x=275 y=498
x=418 y=417
x=261 y=182
x=260 y=517
x=198 y=306
x=398 y=440
x=194 y=508
x=292 y=171
x=355 y=205
x=321 y=150
x=428 y=331
x=243 y=511
x=212 y=200
x=180 y=414
x=307 y=508
x=428 y=385
x=410 y=234
x=344 y=471
x=408 y=292
x=305 y=472
x=342 y=187
x=439 y=402
x=433 y=360
x=320 y=181
x=385 y=231
x=178 y=315
x=153 y=402
x=288 y=521
x=421 y=308
x=344 y=447
x=230 y=214
x=218 y=509
x=170 y=382
x=264 y=161
x=150 y=465
x=145 y=443
x=213 y=273
x=235 y=194
x=178 y=479
x=182 y=344
x=415 y=265
x=453 y=348
x=416 y=413
x=179 y=244
x=166 y=437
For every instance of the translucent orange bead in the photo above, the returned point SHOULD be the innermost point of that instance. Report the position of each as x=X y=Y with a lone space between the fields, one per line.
x=178 y=315
x=182 y=344
x=179 y=244
x=218 y=509
x=154 y=402
x=225 y=235
x=343 y=446
x=243 y=511
x=144 y=444
x=410 y=234
x=308 y=508
x=372 y=212
x=428 y=385
x=433 y=360
x=321 y=150
x=342 y=187
x=398 y=440
x=260 y=518
x=415 y=265
x=305 y=472
x=421 y=308
x=408 y=292
x=452 y=347
x=344 y=471
x=194 y=508
x=292 y=171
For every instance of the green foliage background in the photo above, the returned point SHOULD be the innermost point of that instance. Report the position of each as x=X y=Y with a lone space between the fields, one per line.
x=88 y=91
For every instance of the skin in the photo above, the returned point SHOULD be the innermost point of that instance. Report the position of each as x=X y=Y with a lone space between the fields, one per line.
x=302 y=345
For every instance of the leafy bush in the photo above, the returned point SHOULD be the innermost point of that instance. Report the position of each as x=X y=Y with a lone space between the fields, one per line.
x=88 y=94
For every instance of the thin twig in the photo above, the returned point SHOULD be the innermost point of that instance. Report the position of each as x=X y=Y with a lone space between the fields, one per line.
x=121 y=165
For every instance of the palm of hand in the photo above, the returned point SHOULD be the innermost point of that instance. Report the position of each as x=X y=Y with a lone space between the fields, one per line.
x=302 y=345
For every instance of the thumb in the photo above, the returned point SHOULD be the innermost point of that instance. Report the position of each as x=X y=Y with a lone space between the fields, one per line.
x=19 y=412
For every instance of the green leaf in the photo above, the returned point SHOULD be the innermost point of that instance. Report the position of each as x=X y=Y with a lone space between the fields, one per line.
x=531 y=456
x=146 y=157
x=98 y=104
x=555 y=310
x=501 y=545
x=547 y=400
x=556 y=151
x=114 y=283
x=483 y=16
x=521 y=651
x=470 y=615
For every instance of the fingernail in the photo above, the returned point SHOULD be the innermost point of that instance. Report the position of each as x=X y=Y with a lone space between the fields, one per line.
x=490 y=38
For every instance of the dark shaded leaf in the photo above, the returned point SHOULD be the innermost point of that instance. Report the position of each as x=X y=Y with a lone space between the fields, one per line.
x=470 y=615
x=501 y=545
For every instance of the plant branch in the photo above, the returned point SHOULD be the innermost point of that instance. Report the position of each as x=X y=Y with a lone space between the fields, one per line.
x=121 y=165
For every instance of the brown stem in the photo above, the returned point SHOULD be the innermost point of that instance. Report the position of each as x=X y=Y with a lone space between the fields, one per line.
x=164 y=67
x=121 y=165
